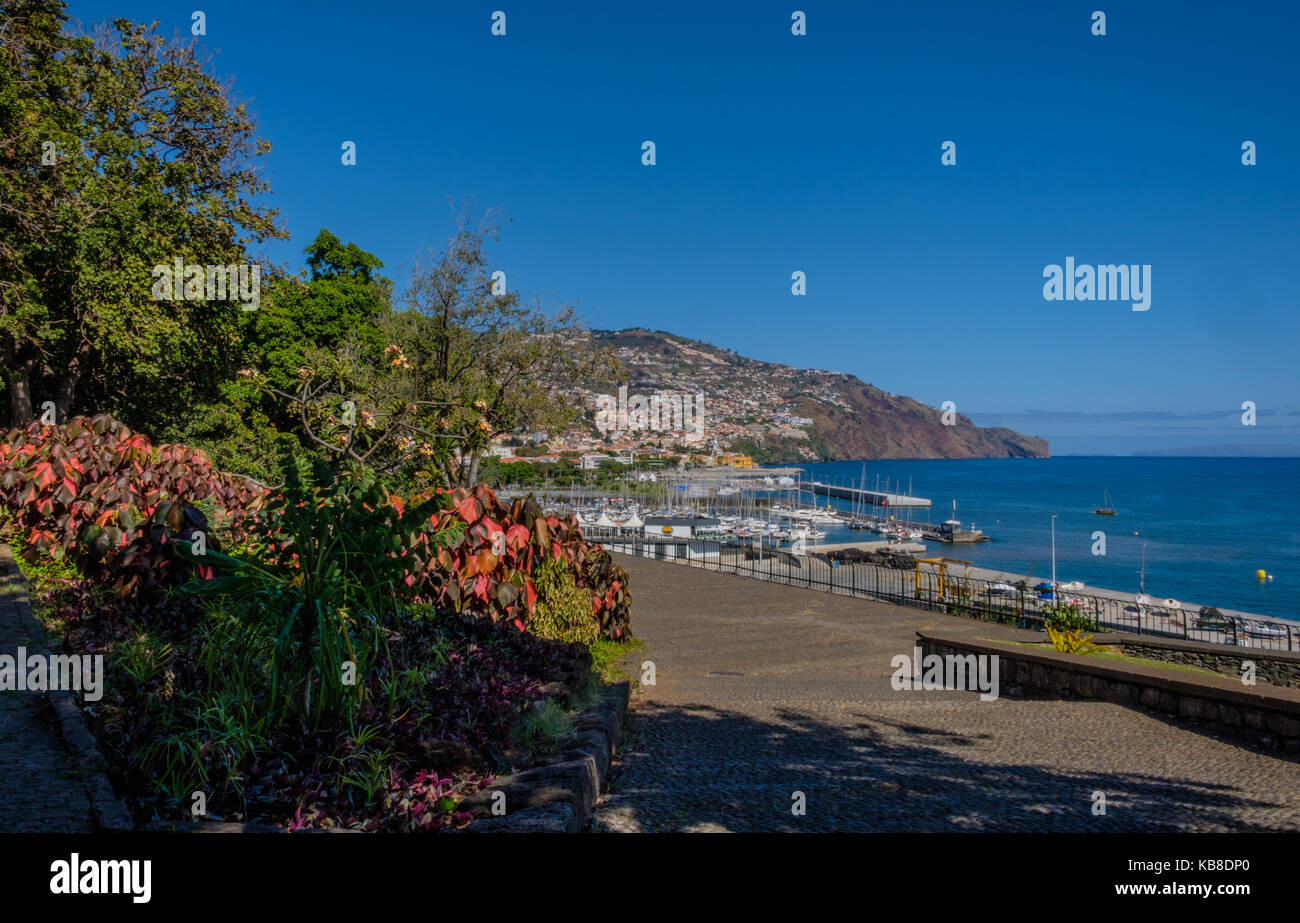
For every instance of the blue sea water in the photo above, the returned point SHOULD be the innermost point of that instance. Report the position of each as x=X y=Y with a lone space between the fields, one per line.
x=1208 y=523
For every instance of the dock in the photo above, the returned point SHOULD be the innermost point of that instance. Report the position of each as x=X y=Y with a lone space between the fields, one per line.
x=897 y=547
x=954 y=535
x=858 y=495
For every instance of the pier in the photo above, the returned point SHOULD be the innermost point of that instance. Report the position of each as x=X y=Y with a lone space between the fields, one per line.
x=895 y=547
x=858 y=495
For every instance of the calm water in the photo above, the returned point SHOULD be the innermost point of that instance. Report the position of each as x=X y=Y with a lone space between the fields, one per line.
x=1208 y=523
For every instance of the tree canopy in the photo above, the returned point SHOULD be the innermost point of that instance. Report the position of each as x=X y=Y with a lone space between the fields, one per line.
x=121 y=153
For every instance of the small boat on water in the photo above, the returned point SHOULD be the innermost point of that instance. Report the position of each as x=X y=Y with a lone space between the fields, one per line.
x=1105 y=509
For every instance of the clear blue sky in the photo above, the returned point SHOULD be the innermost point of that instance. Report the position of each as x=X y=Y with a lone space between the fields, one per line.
x=822 y=153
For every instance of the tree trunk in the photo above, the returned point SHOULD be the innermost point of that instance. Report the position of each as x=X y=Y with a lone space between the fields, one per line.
x=18 y=384
x=66 y=391
x=472 y=478
x=20 y=399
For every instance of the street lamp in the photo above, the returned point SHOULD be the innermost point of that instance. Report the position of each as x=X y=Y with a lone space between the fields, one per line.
x=1053 y=559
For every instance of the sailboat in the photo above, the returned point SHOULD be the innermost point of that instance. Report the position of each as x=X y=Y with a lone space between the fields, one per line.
x=1105 y=509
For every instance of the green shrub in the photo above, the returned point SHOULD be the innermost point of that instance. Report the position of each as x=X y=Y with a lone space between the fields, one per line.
x=143 y=658
x=563 y=608
x=607 y=657
x=1067 y=617
x=1073 y=641
x=545 y=729
x=209 y=744
x=328 y=595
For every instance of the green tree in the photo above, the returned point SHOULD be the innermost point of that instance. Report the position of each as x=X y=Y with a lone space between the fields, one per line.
x=463 y=362
x=523 y=473
x=475 y=344
x=338 y=306
x=344 y=302
x=152 y=160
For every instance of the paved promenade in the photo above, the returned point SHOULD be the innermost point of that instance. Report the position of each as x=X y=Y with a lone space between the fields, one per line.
x=39 y=788
x=765 y=690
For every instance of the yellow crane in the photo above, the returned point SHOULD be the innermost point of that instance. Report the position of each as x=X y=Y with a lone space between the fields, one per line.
x=943 y=572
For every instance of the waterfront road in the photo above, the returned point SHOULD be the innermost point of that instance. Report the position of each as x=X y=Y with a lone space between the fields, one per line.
x=769 y=697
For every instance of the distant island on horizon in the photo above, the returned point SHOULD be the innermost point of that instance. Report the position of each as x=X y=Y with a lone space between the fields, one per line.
x=1223 y=451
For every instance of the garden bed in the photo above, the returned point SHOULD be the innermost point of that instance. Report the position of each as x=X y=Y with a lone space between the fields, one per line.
x=357 y=660
x=492 y=699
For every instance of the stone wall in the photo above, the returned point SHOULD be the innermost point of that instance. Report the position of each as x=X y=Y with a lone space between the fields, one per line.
x=558 y=796
x=1265 y=715
x=1277 y=668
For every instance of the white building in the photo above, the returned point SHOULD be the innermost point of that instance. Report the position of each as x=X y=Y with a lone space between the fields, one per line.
x=678 y=527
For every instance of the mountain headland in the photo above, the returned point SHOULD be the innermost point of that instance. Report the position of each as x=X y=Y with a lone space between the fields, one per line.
x=778 y=413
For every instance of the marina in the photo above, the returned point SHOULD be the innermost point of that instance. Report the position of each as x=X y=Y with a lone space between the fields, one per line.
x=775 y=507
x=779 y=511
x=793 y=531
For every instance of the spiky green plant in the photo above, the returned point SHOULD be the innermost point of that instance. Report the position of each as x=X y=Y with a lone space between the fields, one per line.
x=328 y=593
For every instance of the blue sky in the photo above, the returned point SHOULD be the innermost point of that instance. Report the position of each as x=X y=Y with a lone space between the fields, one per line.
x=821 y=153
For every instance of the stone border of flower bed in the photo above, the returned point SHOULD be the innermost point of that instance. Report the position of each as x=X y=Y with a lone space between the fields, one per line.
x=1268 y=716
x=111 y=813
x=559 y=795
x=215 y=826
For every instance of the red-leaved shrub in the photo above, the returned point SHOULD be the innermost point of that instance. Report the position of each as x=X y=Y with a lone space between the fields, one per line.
x=92 y=487
x=86 y=486
x=489 y=573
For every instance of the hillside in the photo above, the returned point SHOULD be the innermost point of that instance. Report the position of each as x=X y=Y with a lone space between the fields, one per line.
x=780 y=413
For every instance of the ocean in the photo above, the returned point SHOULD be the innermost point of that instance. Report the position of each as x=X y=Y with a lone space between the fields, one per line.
x=1208 y=524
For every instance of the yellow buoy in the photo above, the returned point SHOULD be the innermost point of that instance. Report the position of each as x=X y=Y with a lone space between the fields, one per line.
x=1261 y=575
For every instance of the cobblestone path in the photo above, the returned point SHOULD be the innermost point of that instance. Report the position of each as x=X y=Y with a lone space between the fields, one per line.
x=40 y=790
x=763 y=691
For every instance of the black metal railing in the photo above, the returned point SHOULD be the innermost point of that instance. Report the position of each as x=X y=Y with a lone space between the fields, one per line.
x=954 y=593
